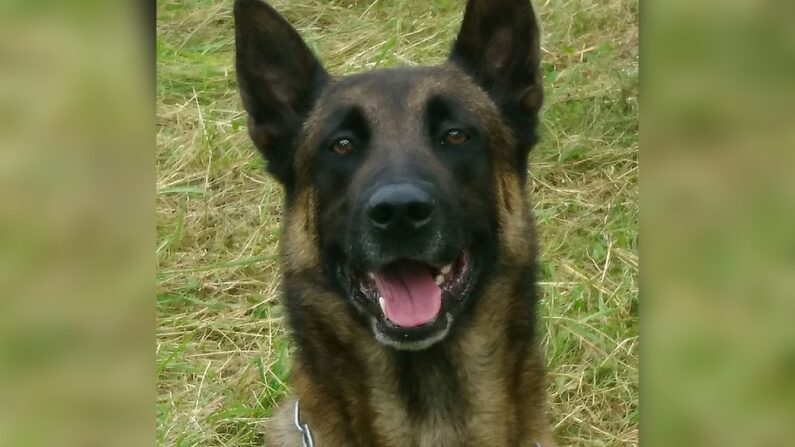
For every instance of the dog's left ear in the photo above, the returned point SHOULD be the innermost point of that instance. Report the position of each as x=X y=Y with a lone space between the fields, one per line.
x=279 y=79
x=499 y=46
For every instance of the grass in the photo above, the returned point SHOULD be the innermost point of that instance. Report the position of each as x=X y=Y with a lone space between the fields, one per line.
x=222 y=355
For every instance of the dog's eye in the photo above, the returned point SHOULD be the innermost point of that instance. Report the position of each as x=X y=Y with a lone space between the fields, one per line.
x=342 y=146
x=454 y=136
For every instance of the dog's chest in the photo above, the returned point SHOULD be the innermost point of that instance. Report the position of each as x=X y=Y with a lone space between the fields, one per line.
x=423 y=405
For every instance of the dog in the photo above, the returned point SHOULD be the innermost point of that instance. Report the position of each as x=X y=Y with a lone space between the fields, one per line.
x=408 y=246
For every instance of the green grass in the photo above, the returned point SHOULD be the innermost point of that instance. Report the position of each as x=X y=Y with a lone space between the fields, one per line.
x=222 y=356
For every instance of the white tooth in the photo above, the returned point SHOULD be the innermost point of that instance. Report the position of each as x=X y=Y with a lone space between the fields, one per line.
x=439 y=280
x=446 y=269
x=371 y=276
x=382 y=303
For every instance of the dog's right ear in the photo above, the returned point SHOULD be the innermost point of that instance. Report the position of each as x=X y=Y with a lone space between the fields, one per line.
x=279 y=79
x=499 y=45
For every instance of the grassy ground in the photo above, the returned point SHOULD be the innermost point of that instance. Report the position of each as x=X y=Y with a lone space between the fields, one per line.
x=222 y=357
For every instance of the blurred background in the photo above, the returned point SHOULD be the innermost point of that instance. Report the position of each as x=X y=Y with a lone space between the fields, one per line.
x=76 y=223
x=718 y=217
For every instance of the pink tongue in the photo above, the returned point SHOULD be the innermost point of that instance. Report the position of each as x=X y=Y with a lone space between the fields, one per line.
x=411 y=296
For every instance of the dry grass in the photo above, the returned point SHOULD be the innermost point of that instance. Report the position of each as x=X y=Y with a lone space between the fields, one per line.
x=222 y=357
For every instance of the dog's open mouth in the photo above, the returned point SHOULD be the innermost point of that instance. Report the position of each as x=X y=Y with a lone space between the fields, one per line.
x=413 y=294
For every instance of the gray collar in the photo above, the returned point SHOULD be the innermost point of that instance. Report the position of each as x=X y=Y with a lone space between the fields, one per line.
x=306 y=435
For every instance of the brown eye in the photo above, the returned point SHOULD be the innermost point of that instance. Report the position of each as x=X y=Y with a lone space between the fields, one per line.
x=454 y=136
x=342 y=146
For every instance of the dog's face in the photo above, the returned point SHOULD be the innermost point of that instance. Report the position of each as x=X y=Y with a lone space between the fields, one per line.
x=402 y=163
x=401 y=166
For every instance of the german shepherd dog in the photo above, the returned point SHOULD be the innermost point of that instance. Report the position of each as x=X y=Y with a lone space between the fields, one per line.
x=408 y=249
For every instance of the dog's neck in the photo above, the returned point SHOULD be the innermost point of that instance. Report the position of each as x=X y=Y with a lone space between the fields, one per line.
x=475 y=384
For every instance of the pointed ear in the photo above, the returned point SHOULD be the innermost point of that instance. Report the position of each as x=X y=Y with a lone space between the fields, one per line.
x=279 y=79
x=499 y=46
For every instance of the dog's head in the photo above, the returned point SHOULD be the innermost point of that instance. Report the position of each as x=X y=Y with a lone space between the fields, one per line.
x=409 y=181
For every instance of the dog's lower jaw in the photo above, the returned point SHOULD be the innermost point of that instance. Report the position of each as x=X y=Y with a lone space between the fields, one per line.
x=416 y=345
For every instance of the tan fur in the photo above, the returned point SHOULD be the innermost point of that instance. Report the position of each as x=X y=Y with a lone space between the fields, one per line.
x=481 y=359
x=482 y=366
x=479 y=381
x=483 y=362
x=299 y=246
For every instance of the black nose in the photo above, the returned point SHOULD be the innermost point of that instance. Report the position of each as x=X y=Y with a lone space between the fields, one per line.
x=400 y=209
